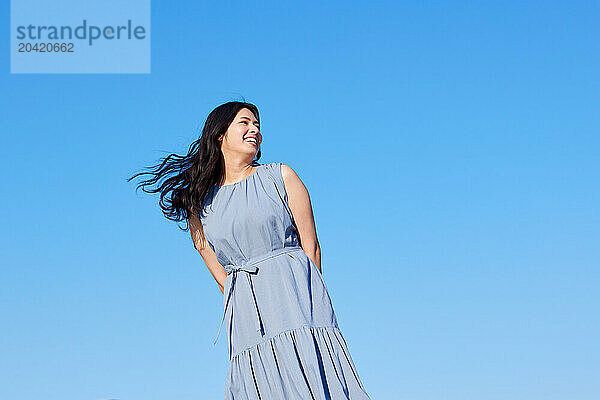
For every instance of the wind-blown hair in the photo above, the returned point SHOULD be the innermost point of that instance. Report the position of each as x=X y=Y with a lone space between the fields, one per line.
x=186 y=179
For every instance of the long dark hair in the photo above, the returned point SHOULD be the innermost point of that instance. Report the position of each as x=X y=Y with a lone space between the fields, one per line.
x=188 y=178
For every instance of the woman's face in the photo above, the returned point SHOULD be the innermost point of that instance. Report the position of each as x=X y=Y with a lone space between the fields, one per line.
x=243 y=135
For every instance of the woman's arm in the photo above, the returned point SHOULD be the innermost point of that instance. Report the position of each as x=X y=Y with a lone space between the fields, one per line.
x=208 y=255
x=301 y=208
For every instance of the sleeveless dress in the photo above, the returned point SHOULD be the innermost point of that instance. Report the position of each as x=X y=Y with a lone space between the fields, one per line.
x=283 y=335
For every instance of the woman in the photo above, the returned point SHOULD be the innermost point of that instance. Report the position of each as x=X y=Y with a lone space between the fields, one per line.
x=254 y=228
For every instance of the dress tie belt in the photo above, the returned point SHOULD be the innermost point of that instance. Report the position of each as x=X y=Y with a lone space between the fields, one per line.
x=250 y=267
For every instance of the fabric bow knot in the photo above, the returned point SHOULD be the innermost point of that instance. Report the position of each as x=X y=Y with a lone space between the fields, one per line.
x=231 y=268
x=234 y=269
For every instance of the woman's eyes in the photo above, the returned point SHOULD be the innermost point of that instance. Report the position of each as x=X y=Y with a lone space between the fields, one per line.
x=245 y=122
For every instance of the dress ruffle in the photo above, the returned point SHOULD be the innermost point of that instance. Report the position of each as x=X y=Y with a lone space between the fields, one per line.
x=259 y=373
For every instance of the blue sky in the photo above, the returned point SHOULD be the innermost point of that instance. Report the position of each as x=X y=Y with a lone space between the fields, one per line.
x=451 y=154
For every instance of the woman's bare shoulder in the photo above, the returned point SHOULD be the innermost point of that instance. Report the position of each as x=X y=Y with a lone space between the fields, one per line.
x=287 y=172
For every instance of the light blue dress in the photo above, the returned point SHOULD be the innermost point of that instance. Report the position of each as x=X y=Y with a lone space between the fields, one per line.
x=283 y=335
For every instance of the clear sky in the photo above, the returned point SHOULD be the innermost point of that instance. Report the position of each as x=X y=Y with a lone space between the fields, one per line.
x=451 y=154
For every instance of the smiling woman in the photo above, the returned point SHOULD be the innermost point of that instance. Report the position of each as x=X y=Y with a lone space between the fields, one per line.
x=253 y=226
